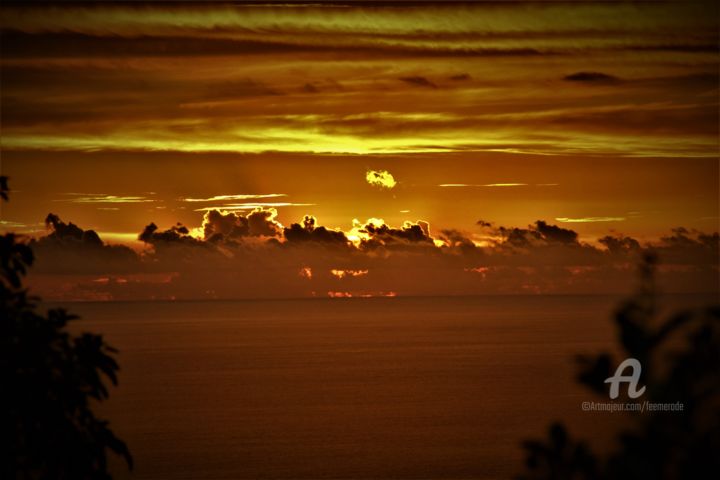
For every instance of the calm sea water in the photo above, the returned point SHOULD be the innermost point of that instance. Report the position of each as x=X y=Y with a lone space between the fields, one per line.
x=402 y=388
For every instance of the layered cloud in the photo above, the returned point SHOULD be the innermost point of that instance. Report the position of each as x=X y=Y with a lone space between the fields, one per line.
x=461 y=29
x=252 y=255
x=601 y=79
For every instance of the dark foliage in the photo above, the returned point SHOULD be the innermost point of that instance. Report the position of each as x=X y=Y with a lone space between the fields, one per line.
x=680 y=359
x=4 y=188
x=50 y=379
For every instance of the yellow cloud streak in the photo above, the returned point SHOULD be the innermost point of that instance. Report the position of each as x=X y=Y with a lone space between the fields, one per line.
x=217 y=20
x=590 y=219
x=107 y=199
x=483 y=185
x=219 y=198
x=252 y=206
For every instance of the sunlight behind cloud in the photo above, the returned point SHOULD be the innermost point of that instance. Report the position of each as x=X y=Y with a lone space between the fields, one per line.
x=380 y=178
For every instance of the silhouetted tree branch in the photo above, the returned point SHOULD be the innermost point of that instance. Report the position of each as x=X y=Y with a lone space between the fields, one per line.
x=657 y=445
x=49 y=379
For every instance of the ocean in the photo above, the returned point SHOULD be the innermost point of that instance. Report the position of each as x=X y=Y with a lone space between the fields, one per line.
x=401 y=388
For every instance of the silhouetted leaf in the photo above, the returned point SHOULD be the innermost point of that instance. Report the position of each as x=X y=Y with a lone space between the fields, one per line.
x=47 y=377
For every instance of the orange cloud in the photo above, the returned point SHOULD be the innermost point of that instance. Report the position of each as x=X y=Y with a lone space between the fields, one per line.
x=348 y=273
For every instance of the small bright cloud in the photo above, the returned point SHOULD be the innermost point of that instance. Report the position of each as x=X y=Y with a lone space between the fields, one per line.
x=380 y=178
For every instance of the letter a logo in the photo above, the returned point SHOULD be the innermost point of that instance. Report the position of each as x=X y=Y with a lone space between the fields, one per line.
x=632 y=379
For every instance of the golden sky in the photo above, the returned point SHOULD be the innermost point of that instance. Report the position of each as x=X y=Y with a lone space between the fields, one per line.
x=598 y=117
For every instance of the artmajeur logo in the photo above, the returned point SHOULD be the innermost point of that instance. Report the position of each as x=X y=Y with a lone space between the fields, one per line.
x=629 y=372
x=632 y=379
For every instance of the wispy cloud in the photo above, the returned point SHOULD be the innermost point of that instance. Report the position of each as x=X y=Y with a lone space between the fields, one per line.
x=9 y=224
x=491 y=185
x=505 y=185
x=224 y=198
x=253 y=206
x=483 y=185
x=103 y=198
x=590 y=219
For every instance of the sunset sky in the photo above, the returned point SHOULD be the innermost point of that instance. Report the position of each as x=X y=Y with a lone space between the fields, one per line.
x=600 y=118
